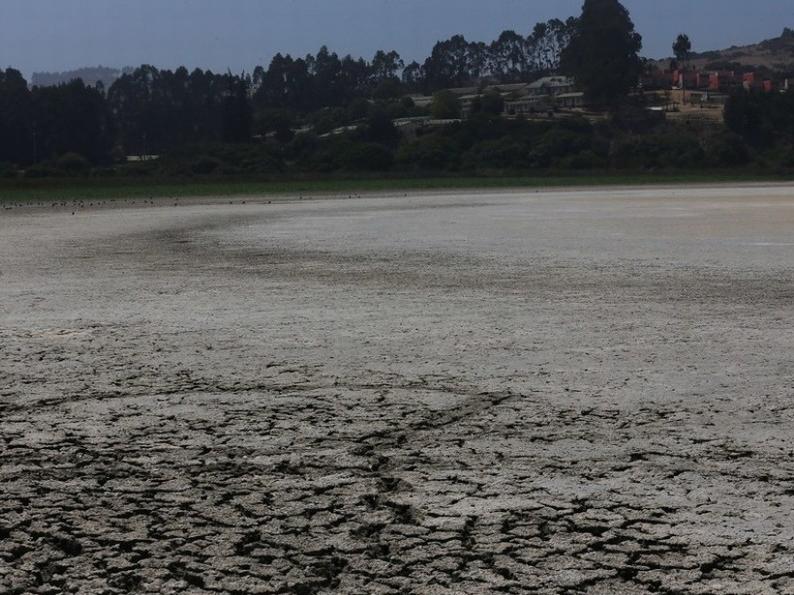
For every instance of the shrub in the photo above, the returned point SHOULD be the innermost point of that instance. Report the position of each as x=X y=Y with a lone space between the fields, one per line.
x=40 y=171
x=8 y=170
x=557 y=143
x=303 y=146
x=278 y=121
x=328 y=119
x=205 y=165
x=358 y=109
x=726 y=149
x=73 y=164
x=585 y=160
x=492 y=103
x=381 y=129
x=506 y=152
x=445 y=106
x=388 y=89
x=432 y=152
x=676 y=149
x=762 y=119
x=636 y=119
x=366 y=157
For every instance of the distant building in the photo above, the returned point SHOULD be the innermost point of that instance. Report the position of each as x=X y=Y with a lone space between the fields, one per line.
x=573 y=100
x=686 y=79
x=541 y=96
x=750 y=81
x=720 y=81
x=531 y=104
x=551 y=86
x=410 y=127
x=712 y=81
x=139 y=158
x=546 y=94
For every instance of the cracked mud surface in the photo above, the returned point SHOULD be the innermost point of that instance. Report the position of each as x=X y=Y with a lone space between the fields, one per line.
x=563 y=392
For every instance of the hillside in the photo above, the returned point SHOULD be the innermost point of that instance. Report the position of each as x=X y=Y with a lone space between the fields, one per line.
x=90 y=76
x=775 y=54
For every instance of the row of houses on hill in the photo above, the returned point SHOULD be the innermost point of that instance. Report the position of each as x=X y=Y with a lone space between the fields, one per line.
x=541 y=96
x=714 y=81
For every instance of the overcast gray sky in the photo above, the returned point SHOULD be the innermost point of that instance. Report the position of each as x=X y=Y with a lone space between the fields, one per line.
x=38 y=35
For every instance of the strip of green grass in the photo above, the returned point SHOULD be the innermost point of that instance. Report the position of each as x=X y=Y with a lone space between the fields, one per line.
x=112 y=188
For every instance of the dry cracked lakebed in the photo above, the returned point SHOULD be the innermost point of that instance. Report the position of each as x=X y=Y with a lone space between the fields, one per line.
x=518 y=392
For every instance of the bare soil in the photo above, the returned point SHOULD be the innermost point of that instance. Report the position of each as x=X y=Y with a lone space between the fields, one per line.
x=551 y=392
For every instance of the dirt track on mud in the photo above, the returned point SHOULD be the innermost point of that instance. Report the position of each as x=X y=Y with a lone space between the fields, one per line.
x=552 y=392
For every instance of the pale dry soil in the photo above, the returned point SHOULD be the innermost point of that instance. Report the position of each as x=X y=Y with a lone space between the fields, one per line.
x=517 y=392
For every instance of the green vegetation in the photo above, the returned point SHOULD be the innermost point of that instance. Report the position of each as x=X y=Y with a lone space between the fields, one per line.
x=445 y=106
x=348 y=119
x=484 y=144
x=765 y=121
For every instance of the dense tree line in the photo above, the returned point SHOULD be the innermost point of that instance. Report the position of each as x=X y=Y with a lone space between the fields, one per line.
x=158 y=110
x=510 y=58
x=297 y=111
x=151 y=111
x=45 y=122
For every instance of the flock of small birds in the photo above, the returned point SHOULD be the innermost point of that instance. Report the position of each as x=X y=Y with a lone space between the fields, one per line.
x=77 y=204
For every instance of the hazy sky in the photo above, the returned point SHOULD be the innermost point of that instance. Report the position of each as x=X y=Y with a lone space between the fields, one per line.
x=38 y=35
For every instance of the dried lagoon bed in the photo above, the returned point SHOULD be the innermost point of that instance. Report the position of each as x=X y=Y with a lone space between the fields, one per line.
x=567 y=391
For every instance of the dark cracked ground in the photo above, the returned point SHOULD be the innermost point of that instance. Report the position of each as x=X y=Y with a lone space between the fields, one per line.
x=563 y=392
